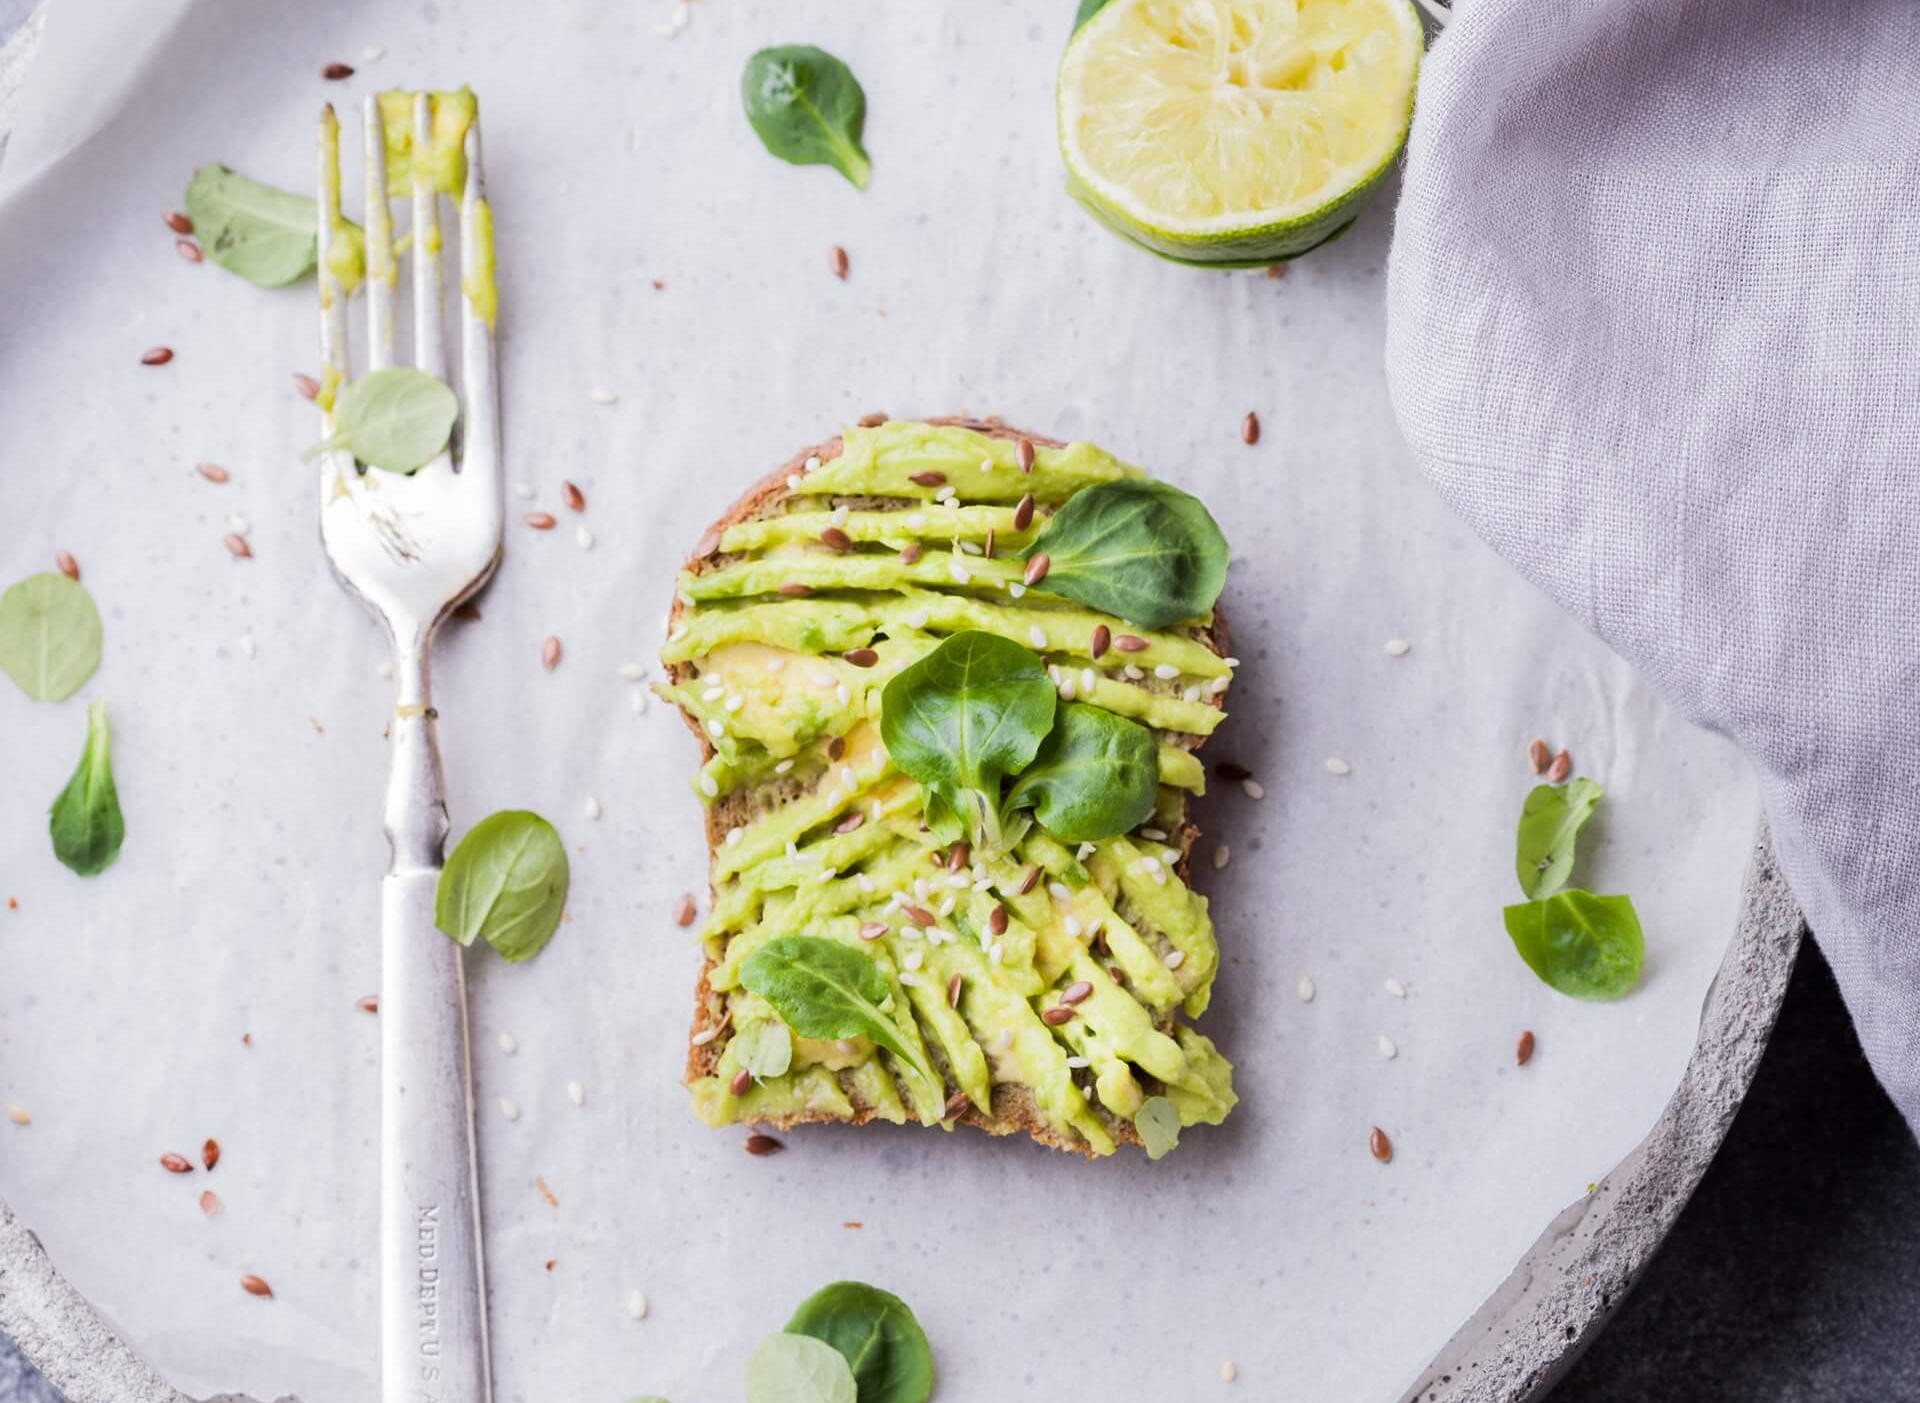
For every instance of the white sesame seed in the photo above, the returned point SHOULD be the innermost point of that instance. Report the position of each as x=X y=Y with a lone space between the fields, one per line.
x=373 y=53
x=916 y=521
x=523 y=490
x=1387 y=1049
x=912 y=981
x=1076 y=1063
x=1071 y=925
x=710 y=786
x=1087 y=678
x=958 y=572
x=1191 y=692
x=911 y=960
x=1166 y=672
x=1016 y=589
x=1174 y=959
x=713 y=693
x=678 y=632
x=1304 y=989
x=1396 y=988
x=1084 y=851
x=946 y=494
x=1222 y=855
x=246 y=644
x=783 y=767
x=1154 y=835
x=602 y=395
x=994 y=955
x=507 y=1044
x=1397 y=647
x=633 y=672
x=714 y=728
x=639 y=700
x=383 y=669
x=1132 y=673
x=1228 y=1373
x=733 y=836
x=1066 y=689
x=19 y=1116
x=920 y=888
x=576 y=1093
x=592 y=807
x=775 y=664
x=735 y=702
x=811 y=465
x=509 y=1108
x=704 y=1036
x=971 y=548
x=1149 y=864
x=1252 y=789
x=987 y=465
x=863 y=881
x=1231 y=662
x=917 y=619
x=637 y=1305
x=238 y=524
x=583 y=538
x=1337 y=766
x=1058 y=891
x=838 y=516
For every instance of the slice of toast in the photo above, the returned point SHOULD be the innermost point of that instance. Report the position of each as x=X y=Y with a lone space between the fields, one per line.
x=1013 y=1103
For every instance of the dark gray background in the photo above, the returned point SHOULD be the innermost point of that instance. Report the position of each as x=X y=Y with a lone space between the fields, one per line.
x=1792 y=1277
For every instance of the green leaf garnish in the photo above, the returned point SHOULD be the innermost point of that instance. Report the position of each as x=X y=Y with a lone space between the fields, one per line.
x=1097 y=774
x=798 y=1369
x=398 y=419
x=49 y=636
x=807 y=108
x=1143 y=550
x=506 y=883
x=265 y=235
x=86 y=823
x=1549 y=820
x=963 y=719
x=876 y=1334
x=1158 y=1121
x=1586 y=946
x=823 y=989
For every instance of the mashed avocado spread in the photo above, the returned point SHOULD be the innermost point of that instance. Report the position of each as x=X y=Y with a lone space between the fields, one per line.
x=784 y=642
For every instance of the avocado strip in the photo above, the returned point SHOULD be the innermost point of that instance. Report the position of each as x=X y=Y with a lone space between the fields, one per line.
x=882 y=462
x=966 y=1063
x=1181 y=769
x=1170 y=909
x=771 y=832
x=1205 y=1095
x=824 y=570
x=812 y=1090
x=876 y=1088
x=1023 y=1051
x=1161 y=712
x=890 y=528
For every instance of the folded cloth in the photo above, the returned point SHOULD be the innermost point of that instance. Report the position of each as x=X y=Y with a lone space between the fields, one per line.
x=1654 y=330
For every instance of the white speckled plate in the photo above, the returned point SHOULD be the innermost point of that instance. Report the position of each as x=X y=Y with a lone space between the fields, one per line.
x=649 y=246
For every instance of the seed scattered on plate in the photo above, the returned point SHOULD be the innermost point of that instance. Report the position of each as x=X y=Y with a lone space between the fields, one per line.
x=576 y=1093
x=602 y=395
x=383 y=668
x=583 y=538
x=637 y=1304
x=210 y=1153
x=1539 y=755
x=336 y=72
x=1337 y=766
x=523 y=490
x=209 y=1202
x=254 y=1286
x=247 y=646
x=763 y=1145
x=18 y=1115
x=212 y=472
x=1250 y=428
x=178 y=222
x=1228 y=1373
x=1396 y=988
x=1523 y=1050
x=373 y=53
x=550 y=654
x=1561 y=767
x=509 y=1108
x=591 y=808
x=1253 y=789
x=1378 y=1145
x=633 y=672
x=308 y=387
x=1398 y=647
x=1222 y=855
x=175 y=1164
x=837 y=262
x=160 y=355
x=1304 y=989
x=66 y=564
x=1387 y=1049
x=507 y=1044
x=187 y=249
x=540 y=521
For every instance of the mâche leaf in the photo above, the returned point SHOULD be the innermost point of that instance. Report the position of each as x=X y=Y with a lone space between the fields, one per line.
x=49 y=636
x=1143 y=550
x=1549 y=821
x=1586 y=946
x=965 y=717
x=506 y=883
x=798 y=1369
x=398 y=419
x=877 y=1335
x=823 y=989
x=1096 y=774
x=1158 y=1121
x=807 y=108
x=267 y=236
x=86 y=823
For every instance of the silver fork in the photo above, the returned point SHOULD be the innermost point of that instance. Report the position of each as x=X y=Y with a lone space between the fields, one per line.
x=412 y=548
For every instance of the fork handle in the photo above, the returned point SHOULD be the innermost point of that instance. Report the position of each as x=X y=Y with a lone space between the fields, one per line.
x=433 y=1323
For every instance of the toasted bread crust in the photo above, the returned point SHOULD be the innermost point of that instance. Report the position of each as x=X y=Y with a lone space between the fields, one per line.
x=1013 y=1107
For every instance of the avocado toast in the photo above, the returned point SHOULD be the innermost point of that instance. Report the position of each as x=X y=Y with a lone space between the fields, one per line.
x=1019 y=981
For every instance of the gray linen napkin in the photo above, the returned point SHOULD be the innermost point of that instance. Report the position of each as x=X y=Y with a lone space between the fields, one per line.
x=1654 y=330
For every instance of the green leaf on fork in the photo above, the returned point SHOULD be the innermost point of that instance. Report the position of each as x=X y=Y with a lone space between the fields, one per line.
x=398 y=419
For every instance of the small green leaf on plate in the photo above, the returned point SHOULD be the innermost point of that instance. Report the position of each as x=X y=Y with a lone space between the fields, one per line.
x=1549 y=821
x=49 y=636
x=86 y=823
x=1586 y=946
x=265 y=235
x=877 y=1335
x=1158 y=1122
x=505 y=883
x=398 y=419
x=807 y=108
x=799 y=1369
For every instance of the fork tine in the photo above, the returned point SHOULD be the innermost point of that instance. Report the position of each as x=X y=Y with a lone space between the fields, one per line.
x=480 y=432
x=380 y=266
x=333 y=316
x=429 y=342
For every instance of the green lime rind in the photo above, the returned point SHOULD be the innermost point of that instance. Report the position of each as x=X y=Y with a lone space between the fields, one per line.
x=1257 y=246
